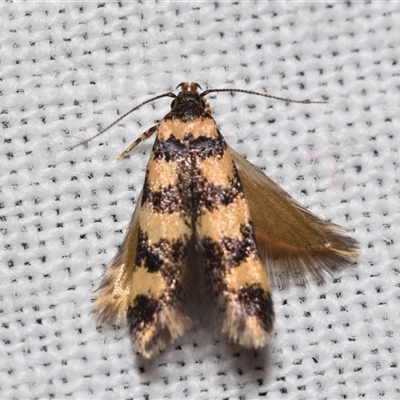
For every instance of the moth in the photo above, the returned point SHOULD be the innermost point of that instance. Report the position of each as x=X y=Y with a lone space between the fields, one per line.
x=208 y=222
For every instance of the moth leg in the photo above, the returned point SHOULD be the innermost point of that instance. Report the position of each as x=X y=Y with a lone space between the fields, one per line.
x=144 y=136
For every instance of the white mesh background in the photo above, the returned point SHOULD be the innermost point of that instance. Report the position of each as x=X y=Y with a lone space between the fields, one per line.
x=68 y=68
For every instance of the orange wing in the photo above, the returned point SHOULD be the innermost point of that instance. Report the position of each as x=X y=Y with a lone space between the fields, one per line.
x=292 y=242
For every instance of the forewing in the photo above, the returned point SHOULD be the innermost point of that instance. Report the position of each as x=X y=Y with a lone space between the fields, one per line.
x=234 y=273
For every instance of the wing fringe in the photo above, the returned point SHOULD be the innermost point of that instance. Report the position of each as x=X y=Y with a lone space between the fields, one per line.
x=293 y=244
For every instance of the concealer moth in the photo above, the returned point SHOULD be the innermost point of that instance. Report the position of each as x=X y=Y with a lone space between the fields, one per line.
x=208 y=218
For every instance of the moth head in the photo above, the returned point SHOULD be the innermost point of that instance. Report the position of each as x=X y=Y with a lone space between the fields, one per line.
x=189 y=87
x=190 y=96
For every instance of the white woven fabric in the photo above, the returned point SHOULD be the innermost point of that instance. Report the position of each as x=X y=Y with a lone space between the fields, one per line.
x=68 y=68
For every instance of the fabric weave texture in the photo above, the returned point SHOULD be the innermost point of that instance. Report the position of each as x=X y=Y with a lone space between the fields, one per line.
x=69 y=69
